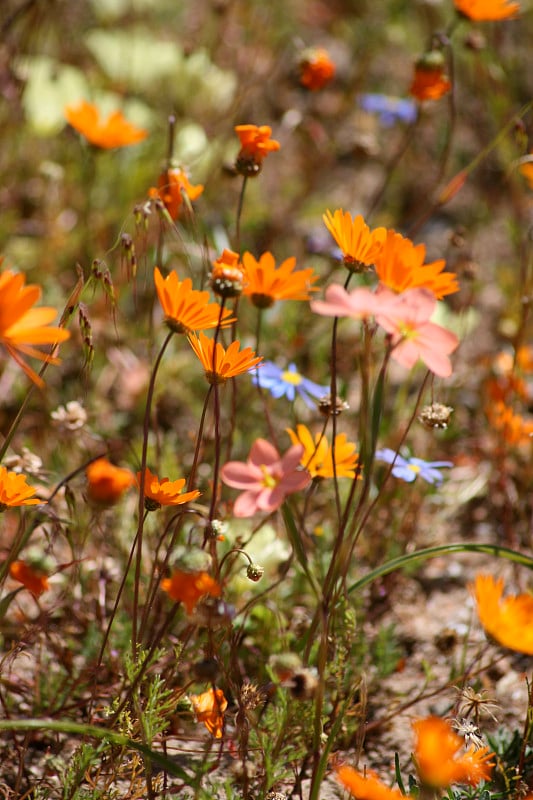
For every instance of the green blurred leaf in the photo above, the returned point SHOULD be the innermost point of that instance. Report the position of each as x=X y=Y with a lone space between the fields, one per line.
x=50 y=86
x=134 y=57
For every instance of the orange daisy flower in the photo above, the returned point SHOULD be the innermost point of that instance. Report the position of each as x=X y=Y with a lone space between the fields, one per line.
x=430 y=81
x=317 y=457
x=266 y=283
x=316 y=68
x=115 y=131
x=22 y=326
x=256 y=144
x=106 y=482
x=438 y=760
x=187 y=309
x=227 y=275
x=220 y=364
x=367 y=786
x=189 y=587
x=400 y=266
x=162 y=492
x=509 y=620
x=359 y=245
x=173 y=183
x=14 y=491
x=487 y=10
x=527 y=171
x=209 y=708
x=513 y=428
x=33 y=579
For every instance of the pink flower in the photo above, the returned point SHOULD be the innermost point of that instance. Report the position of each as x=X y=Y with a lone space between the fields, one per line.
x=266 y=477
x=414 y=336
x=358 y=304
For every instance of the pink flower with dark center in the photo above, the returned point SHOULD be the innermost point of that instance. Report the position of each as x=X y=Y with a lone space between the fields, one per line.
x=413 y=335
x=266 y=477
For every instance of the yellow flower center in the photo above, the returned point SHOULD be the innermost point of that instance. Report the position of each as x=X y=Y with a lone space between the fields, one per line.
x=407 y=331
x=414 y=468
x=269 y=481
x=291 y=377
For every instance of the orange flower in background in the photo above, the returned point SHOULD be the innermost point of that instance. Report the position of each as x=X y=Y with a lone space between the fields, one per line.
x=527 y=171
x=365 y=786
x=316 y=68
x=317 y=457
x=33 y=579
x=14 y=491
x=438 y=760
x=220 y=364
x=22 y=326
x=487 y=10
x=162 y=492
x=227 y=275
x=209 y=708
x=400 y=266
x=187 y=309
x=115 y=131
x=513 y=428
x=188 y=587
x=266 y=283
x=508 y=620
x=256 y=144
x=359 y=245
x=106 y=483
x=430 y=81
x=173 y=183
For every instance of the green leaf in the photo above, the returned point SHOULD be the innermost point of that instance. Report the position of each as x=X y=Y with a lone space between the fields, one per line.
x=50 y=86
x=134 y=57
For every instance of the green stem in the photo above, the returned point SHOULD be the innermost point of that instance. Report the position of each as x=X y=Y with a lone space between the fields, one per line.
x=440 y=550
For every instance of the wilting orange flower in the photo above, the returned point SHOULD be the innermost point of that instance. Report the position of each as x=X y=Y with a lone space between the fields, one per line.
x=430 y=81
x=189 y=587
x=14 y=491
x=106 y=483
x=116 y=131
x=400 y=266
x=317 y=457
x=438 y=760
x=22 y=326
x=187 y=309
x=209 y=708
x=316 y=68
x=220 y=364
x=487 y=10
x=173 y=183
x=256 y=144
x=367 y=786
x=266 y=283
x=508 y=620
x=162 y=492
x=33 y=579
x=513 y=427
x=360 y=246
x=227 y=275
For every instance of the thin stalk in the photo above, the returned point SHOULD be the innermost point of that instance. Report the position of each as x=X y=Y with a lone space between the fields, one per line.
x=240 y=206
x=138 y=542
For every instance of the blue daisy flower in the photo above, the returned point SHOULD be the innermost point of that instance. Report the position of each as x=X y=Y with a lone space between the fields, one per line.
x=408 y=468
x=389 y=109
x=288 y=383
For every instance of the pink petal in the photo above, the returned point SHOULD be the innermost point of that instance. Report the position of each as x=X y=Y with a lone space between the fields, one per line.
x=295 y=481
x=291 y=459
x=263 y=453
x=240 y=475
x=246 y=504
